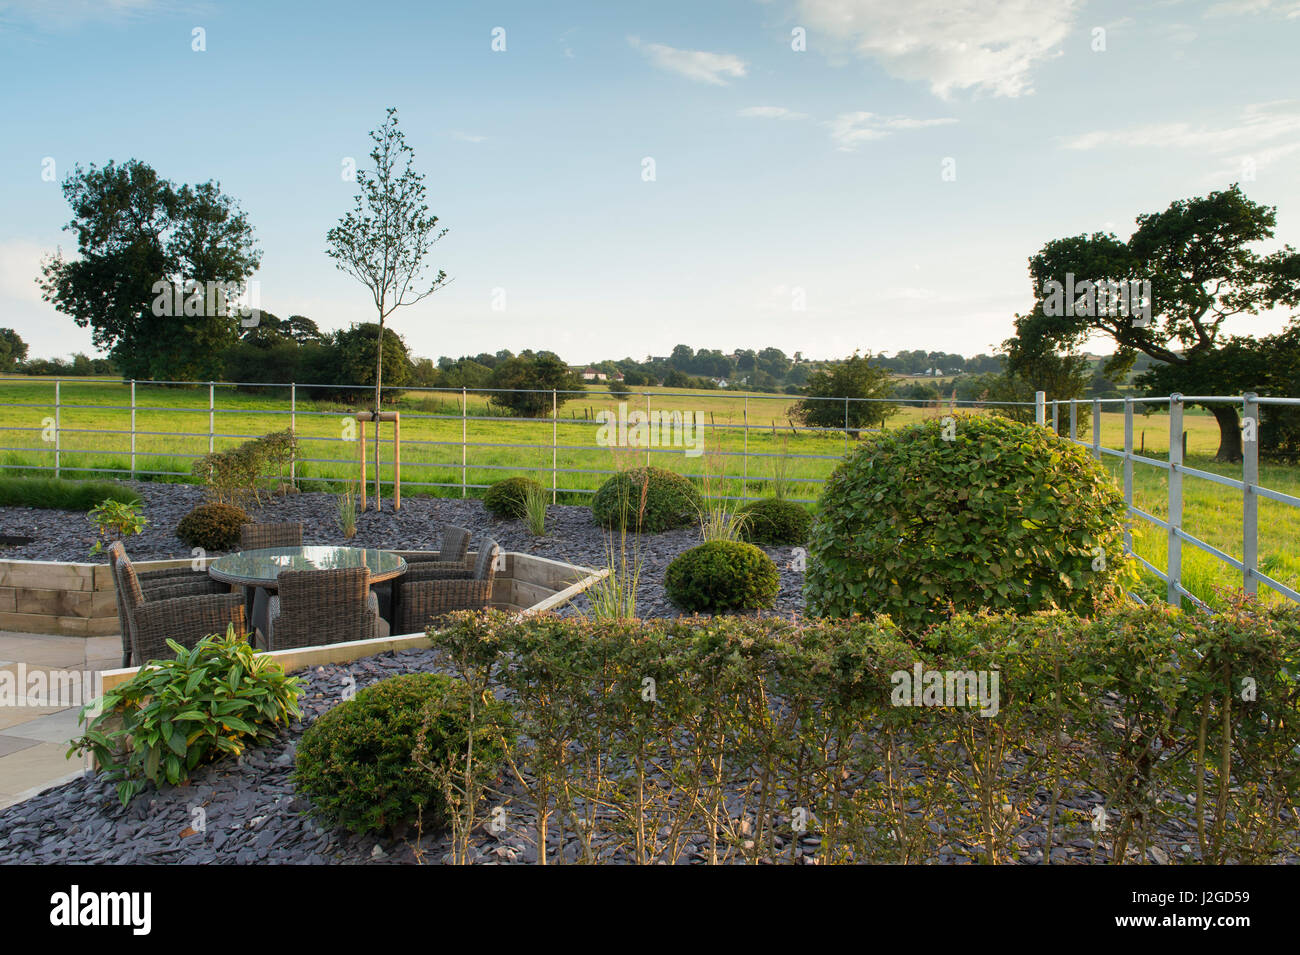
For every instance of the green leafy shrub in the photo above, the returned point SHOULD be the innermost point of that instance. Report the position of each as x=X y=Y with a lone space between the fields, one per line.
x=969 y=512
x=62 y=494
x=210 y=701
x=775 y=521
x=213 y=526
x=509 y=498
x=722 y=577
x=115 y=520
x=373 y=761
x=646 y=499
x=237 y=475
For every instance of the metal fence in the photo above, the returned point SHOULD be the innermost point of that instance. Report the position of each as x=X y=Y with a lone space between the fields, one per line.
x=756 y=415
x=1177 y=471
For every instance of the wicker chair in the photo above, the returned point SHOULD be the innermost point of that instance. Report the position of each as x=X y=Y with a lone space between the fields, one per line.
x=421 y=601
x=452 y=554
x=258 y=536
x=156 y=585
x=316 y=607
x=179 y=611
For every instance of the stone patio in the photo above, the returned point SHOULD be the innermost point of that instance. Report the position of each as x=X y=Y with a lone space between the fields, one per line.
x=33 y=734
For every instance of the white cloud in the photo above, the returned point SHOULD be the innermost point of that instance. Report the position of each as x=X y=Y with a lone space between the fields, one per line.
x=467 y=137
x=1259 y=124
x=1237 y=8
x=697 y=65
x=953 y=45
x=20 y=266
x=771 y=112
x=849 y=130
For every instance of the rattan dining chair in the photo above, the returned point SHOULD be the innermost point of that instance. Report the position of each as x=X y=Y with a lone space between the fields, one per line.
x=185 y=611
x=156 y=585
x=258 y=536
x=316 y=607
x=452 y=554
x=421 y=601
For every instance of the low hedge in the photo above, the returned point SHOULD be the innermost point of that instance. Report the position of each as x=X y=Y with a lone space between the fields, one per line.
x=646 y=499
x=1094 y=722
x=62 y=494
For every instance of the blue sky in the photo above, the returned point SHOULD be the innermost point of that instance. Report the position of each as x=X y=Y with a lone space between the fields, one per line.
x=782 y=177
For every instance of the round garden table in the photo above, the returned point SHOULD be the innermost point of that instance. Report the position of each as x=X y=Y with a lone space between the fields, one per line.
x=256 y=570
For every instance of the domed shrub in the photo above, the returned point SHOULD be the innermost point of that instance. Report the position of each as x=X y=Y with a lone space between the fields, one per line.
x=722 y=577
x=361 y=762
x=506 y=498
x=774 y=521
x=647 y=499
x=982 y=513
x=212 y=526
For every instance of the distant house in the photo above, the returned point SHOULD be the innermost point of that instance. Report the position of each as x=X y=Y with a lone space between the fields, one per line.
x=720 y=382
x=651 y=359
x=617 y=376
x=591 y=374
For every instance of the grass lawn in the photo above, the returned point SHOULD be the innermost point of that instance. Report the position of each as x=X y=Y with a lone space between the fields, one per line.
x=172 y=428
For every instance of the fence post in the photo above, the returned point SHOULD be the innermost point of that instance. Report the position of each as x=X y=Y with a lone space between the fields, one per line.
x=132 y=429
x=647 y=421
x=744 y=451
x=1250 y=500
x=1175 y=515
x=1074 y=420
x=1056 y=416
x=1040 y=407
x=1128 y=475
x=212 y=415
x=1096 y=428
x=464 y=405
x=58 y=425
x=555 y=443
x=293 y=429
x=846 y=424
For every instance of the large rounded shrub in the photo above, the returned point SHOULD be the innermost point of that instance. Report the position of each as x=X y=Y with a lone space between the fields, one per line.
x=722 y=577
x=774 y=521
x=506 y=498
x=212 y=526
x=971 y=512
x=360 y=763
x=646 y=499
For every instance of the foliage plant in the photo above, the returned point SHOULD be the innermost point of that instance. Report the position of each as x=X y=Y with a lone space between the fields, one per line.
x=508 y=498
x=775 y=521
x=214 y=526
x=722 y=577
x=650 y=741
x=115 y=520
x=235 y=476
x=648 y=499
x=213 y=700
x=346 y=506
x=967 y=513
x=536 y=501
x=375 y=760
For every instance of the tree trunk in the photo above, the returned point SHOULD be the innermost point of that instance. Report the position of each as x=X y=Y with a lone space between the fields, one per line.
x=379 y=377
x=1229 y=433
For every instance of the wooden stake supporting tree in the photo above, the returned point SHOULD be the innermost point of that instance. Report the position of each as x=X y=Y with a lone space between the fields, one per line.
x=395 y=418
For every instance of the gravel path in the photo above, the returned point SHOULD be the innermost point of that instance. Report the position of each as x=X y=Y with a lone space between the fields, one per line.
x=572 y=536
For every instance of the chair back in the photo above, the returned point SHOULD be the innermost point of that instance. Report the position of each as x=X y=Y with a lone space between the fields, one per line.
x=455 y=543
x=485 y=565
x=130 y=596
x=116 y=552
x=323 y=606
x=258 y=536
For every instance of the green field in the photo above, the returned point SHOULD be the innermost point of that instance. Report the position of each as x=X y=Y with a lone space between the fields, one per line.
x=172 y=426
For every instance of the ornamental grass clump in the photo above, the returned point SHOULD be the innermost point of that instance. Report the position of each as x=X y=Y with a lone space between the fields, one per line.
x=967 y=513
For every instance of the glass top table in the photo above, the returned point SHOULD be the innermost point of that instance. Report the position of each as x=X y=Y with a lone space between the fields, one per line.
x=260 y=568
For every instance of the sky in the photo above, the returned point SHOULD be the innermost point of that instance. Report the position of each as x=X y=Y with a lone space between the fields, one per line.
x=815 y=175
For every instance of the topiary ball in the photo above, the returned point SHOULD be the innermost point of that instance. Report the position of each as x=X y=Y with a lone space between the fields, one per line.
x=506 y=499
x=360 y=763
x=774 y=521
x=212 y=526
x=646 y=499
x=972 y=512
x=722 y=577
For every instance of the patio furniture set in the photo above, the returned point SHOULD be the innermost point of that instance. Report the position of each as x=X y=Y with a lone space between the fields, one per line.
x=287 y=595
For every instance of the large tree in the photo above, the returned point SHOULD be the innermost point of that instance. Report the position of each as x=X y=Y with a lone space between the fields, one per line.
x=385 y=240
x=134 y=231
x=526 y=382
x=13 y=350
x=1198 y=258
